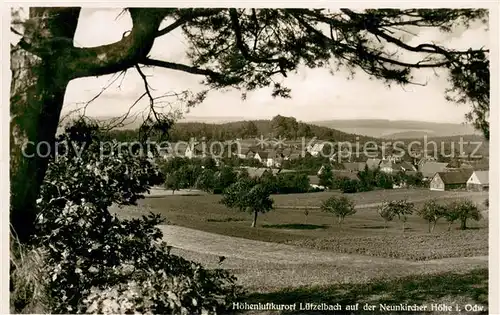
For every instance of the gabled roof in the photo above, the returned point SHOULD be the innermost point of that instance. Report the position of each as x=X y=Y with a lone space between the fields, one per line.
x=258 y=171
x=354 y=166
x=262 y=154
x=318 y=147
x=455 y=177
x=346 y=174
x=408 y=166
x=244 y=151
x=483 y=177
x=373 y=163
x=428 y=169
x=294 y=155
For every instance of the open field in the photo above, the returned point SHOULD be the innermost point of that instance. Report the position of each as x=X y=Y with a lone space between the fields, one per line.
x=264 y=266
x=362 y=233
x=445 y=288
x=290 y=258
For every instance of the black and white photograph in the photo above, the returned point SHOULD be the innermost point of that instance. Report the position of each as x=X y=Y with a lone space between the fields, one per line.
x=254 y=158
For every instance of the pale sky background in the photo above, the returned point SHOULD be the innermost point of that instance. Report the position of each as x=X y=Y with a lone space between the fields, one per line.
x=316 y=94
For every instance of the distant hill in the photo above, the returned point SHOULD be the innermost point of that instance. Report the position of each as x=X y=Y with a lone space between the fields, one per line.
x=398 y=129
x=237 y=129
x=184 y=130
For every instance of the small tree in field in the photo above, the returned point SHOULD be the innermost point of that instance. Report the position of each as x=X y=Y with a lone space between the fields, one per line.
x=173 y=181
x=463 y=210
x=432 y=211
x=341 y=207
x=386 y=212
x=402 y=209
x=206 y=181
x=246 y=195
x=450 y=215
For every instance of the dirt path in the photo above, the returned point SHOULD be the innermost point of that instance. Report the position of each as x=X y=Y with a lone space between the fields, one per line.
x=263 y=265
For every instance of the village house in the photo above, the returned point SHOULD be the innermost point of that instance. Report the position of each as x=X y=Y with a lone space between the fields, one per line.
x=344 y=154
x=430 y=168
x=243 y=153
x=353 y=175
x=478 y=181
x=424 y=160
x=268 y=158
x=354 y=166
x=457 y=164
x=450 y=180
x=259 y=171
x=251 y=153
x=260 y=156
x=173 y=150
x=294 y=155
x=390 y=167
x=373 y=164
x=316 y=149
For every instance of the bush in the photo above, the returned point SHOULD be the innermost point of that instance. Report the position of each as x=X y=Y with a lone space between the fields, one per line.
x=28 y=279
x=348 y=186
x=98 y=263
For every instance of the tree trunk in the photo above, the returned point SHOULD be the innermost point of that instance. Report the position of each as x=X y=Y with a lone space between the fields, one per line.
x=254 y=222
x=36 y=97
x=449 y=225
x=403 y=227
x=463 y=224
x=433 y=226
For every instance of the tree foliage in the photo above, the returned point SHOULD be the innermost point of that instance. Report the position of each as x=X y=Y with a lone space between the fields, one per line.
x=339 y=206
x=250 y=196
x=401 y=209
x=463 y=210
x=432 y=211
x=97 y=262
x=326 y=176
x=386 y=213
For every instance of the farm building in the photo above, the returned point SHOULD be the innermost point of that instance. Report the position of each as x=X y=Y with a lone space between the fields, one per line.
x=430 y=168
x=373 y=164
x=457 y=164
x=478 y=181
x=450 y=180
x=293 y=156
x=258 y=171
x=346 y=174
x=354 y=166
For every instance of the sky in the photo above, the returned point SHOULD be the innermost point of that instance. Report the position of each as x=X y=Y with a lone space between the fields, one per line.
x=316 y=94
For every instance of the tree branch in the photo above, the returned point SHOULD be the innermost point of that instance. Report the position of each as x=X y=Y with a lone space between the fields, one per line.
x=422 y=48
x=186 y=16
x=107 y=59
x=350 y=49
x=180 y=67
x=243 y=47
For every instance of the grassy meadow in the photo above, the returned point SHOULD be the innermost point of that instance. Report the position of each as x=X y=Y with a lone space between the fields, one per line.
x=363 y=233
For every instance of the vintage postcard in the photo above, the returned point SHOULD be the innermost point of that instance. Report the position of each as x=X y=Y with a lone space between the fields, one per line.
x=250 y=159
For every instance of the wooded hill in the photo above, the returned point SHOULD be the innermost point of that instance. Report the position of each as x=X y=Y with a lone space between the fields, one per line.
x=278 y=126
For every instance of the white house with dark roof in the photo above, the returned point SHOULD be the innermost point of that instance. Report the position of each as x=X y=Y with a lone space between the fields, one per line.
x=478 y=181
